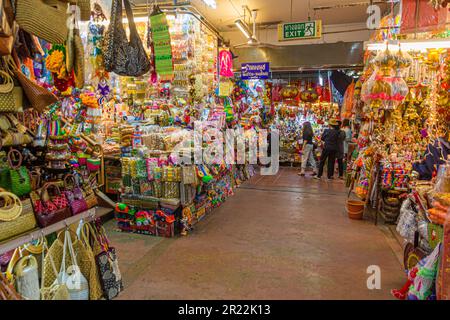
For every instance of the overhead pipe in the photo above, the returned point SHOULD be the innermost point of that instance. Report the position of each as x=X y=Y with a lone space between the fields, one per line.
x=184 y=8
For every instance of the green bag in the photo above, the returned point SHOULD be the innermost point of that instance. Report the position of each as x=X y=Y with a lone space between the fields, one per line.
x=5 y=182
x=20 y=179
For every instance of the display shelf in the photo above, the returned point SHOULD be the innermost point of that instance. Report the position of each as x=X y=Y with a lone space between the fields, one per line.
x=90 y=214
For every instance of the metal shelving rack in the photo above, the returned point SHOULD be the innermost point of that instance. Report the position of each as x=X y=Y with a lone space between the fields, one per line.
x=88 y=215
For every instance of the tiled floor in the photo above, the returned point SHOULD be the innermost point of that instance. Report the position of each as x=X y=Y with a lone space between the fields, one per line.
x=278 y=237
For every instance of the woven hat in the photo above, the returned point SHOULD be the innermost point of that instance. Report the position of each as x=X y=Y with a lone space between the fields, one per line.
x=333 y=122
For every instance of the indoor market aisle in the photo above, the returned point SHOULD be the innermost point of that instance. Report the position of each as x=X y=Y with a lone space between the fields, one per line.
x=279 y=237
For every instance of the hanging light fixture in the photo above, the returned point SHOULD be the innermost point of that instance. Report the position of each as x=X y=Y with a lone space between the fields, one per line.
x=210 y=3
x=242 y=26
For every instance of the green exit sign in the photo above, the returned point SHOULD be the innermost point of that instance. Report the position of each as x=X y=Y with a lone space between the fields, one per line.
x=300 y=30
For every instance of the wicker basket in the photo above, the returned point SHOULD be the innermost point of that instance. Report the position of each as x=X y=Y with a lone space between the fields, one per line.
x=24 y=223
x=46 y=19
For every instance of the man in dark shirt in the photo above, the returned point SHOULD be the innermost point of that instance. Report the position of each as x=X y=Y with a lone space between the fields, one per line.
x=340 y=154
x=330 y=139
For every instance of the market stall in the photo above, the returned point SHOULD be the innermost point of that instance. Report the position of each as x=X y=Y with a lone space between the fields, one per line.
x=398 y=169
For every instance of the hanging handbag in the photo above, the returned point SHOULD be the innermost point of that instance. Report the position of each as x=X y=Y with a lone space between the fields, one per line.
x=27 y=278
x=16 y=217
x=49 y=211
x=76 y=282
x=93 y=248
x=123 y=57
x=38 y=96
x=10 y=96
x=57 y=290
x=46 y=19
x=78 y=67
x=19 y=176
x=108 y=266
x=74 y=195
x=70 y=46
x=91 y=200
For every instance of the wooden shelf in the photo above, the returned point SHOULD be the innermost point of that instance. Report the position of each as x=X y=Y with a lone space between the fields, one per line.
x=88 y=215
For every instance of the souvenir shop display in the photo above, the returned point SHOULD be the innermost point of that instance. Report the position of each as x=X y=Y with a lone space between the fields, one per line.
x=52 y=166
x=157 y=194
x=400 y=168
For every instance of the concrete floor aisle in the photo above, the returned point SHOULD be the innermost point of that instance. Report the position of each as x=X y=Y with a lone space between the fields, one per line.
x=278 y=237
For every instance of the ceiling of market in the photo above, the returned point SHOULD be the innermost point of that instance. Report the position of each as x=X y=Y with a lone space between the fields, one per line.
x=275 y=11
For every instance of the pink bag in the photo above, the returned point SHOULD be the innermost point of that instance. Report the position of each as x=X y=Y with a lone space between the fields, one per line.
x=75 y=197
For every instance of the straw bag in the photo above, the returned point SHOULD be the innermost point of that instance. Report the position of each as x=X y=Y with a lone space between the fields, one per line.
x=123 y=57
x=7 y=291
x=27 y=278
x=50 y=210
x=93 y=248
x=12 y=132
x=90 y=196
x=46 y=19
x=16 y=217
x=78 y=67
x=76 y=282
x=56 y=253
x=56 y=290
x=75 y=196
x=70 y=51
x=11 y=97
x=39 y=97
x=19 y=176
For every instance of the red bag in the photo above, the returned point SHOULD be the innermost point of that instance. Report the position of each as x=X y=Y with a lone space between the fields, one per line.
x=51 y=209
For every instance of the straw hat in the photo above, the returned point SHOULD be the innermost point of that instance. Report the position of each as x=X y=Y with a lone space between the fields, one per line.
x=333 y=122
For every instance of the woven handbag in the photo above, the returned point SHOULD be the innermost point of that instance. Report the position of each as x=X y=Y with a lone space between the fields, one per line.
x=46 y=19
x=55 y=257
x=47 y=212
x=16 y=217
x=89 y=195
x=39 y=97
x=7 y=103
x=72 y=275
x=19 y=176
x=74 y=195
x=56 y=290
x=123 y=57
x=26 y=276
x=93 y=248
x=78 y=67
x=70 y=50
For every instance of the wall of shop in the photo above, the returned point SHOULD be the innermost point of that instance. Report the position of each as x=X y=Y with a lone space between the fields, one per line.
x=332 y=34
x=292 y=58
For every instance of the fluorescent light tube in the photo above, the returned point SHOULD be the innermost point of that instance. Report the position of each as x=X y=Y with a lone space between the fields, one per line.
x=243 y=27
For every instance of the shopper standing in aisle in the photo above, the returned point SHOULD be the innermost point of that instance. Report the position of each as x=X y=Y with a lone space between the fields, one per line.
x=308 y=149
x=348 y=138
x=341 y=152
x=330 y=139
